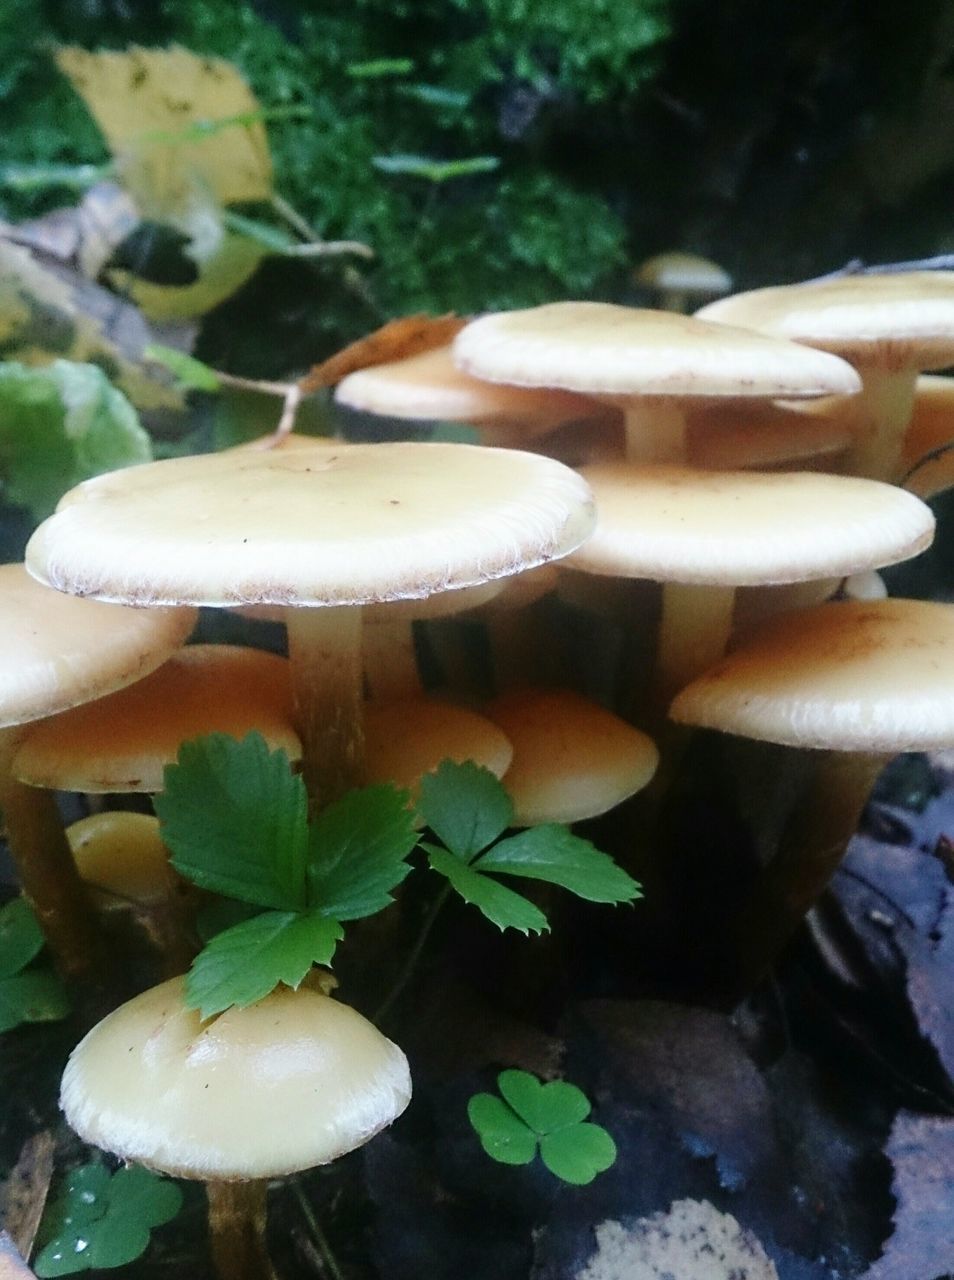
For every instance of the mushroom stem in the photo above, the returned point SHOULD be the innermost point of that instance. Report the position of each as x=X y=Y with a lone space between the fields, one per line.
x=390 y=661
x=48 y=876
x=655 y=431
x=237 y=1230
x=324 y=645
x=884 y=410
x=693 y=633
x=810 y=849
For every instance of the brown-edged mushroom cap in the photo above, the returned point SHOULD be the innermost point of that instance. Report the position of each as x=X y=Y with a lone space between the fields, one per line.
x=121 y=854
x=704 y=533
x=430 y=387
x=926 y=466
x=853 y=675
x=572 y=759
x=889 y=326
x=293 y=1081
x=57 y=651
x=124 y=741
x=650 y=363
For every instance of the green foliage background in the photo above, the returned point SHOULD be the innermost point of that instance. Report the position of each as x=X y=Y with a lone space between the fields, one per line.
x=779 y=139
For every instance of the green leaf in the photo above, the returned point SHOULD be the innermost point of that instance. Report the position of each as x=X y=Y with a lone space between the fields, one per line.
x=579 y=1153
x=553 y=853
x=544 y=1107
x=502 y=1135
x=245 y=963
x=20 y=936
x=358 y=847
x=270 y=237
x=140 y=1193
x=34 y=996
x=432 y=170
x=221 y=914
x=188 y=371
x=235 y=818
x=64 y=1255
x=465 y=805
x=379 y=68
x=61 y=424
x=501 y=906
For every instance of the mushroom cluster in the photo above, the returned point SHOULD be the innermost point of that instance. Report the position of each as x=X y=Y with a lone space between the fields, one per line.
x=751 y=465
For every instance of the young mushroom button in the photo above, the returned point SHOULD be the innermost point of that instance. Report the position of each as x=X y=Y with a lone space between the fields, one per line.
x=322 y=530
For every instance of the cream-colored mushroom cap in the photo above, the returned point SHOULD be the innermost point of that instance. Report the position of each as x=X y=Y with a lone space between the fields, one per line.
x=602 y=349
x=293 y=1081
x=896 y=319
x=57 y=651
x=353 y=525
x=858 y=675
x=124 y=741
x=431 y=387
x=408 y=738
x=684 y=273
x=572 y=759
x=123 y=854
x=443 y=604
x=740 y=528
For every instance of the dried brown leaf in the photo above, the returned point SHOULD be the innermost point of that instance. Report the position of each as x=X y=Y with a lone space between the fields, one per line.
x=396 y=340
x=23 y=1196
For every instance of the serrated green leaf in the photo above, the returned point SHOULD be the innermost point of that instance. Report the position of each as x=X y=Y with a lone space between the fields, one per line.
x=577 y=1154
x=358 y=848
x=553 y=853
x=20 y=937
x=245 y=963
x=61 y=424
x=235 y=818
x=502 y=1134
x=546 y=1108
x=221 y=914
x=188 y=371
x=465 y=805
x=34 y=996
x=501 y=906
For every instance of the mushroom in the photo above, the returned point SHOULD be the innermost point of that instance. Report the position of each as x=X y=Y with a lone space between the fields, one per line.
x=857 y=680
x=293 y=1081
x=678 y=276
x=323 y=530
x=57 y=652
x=890 y=327
x=650 y=364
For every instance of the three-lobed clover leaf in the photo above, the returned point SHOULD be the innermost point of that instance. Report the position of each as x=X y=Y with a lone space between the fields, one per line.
x=26 y=995
x=551 y=1118
x=467 y=807
x=101 y=1221
x=236 y=820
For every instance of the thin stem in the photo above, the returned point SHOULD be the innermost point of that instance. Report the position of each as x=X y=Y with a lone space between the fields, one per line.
x=237 y=1215
x=693 y=633
x=883 y=411
x=324 y=645
x=46 y=870
x=319 y=1237
x=410 y=964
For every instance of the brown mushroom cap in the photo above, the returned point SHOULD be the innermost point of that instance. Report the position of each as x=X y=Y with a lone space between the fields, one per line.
x=601 y=349
x=572 y=759
x=346 y=526
x=676 y=524
x=123 y=854
x=872 y=676
x=57 y=651
x=408 y=738
x=124 y=741
x=898 y=320
x=290 y=1082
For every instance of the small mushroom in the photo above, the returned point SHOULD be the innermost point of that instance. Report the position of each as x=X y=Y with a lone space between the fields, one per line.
x=678 y=277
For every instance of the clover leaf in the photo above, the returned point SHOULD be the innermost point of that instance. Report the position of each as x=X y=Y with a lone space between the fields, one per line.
x=26 y=995
x=551 y=1118
x=101 y=1221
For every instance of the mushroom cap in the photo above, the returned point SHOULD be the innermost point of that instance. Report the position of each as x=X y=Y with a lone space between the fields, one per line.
x=745 y=528
x=851 y=675
x=410 y=737
x=57 y=651
x=723 y=437
x=572 y=759
x=290 y=1082
x=900 y=320
x=931 y=427
x=602 y=349
x=443 y=604
x=123 y=854
x=687 y=272
x=124 y=741
x=431 y=387
x=357 y=524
